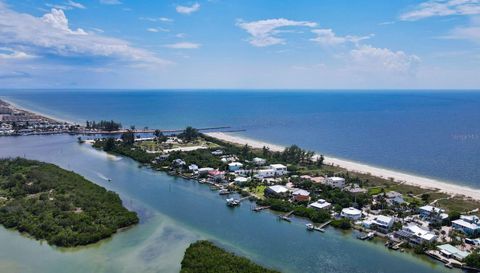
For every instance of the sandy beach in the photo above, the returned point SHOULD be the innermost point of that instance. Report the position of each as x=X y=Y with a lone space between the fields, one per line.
x=400 y=177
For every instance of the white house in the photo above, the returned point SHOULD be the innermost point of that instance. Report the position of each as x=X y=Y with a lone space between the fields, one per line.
x=432 y=212
x=179 y=162
x=279 y=169
x=381 y=222
x=320 y=204
x=468 y=224
x=336 y=182
x=265 y=173
x=259 y=161
x=351 y=213
x=416 y=234
x=193 y=168
x=276 y=190
x=204 y=170
x=450 y=251
x=240 y=180
x=217 y=152
x=234 y=166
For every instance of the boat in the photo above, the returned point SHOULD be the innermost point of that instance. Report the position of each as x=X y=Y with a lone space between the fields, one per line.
x=231 y=202
x=310 y=227
x=449 y=265
x=368 y=236
x=223 y=192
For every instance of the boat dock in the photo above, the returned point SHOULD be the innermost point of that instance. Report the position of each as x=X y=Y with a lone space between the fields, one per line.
x=258 y=209
x=286 y=217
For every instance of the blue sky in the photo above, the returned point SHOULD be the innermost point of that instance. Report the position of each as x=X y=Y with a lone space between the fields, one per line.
x=314 y=44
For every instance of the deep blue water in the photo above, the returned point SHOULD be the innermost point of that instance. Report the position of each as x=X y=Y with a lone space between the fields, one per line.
x=435 y=134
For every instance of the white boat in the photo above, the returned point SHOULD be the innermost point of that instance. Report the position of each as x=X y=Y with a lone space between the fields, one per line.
x=310 y=226
x=231 y=202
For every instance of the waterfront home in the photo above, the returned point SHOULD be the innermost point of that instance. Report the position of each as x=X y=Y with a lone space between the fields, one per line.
x=240 y=180
x=351 y=213
x=393 y=197
x=380 y=222
x=320 y=204
x=259 y=161
x=204 y=170
x=450 y=251
x=228 y=158
x=216 y=175
x=416 y=235
x=193 y=168
x=432 y=213
x=336 y=182
x=265 y=173
x=279 y=169
x=276 y=191
x=300 y=195
x=161 y=157
x=468 y=224
x=243 y=172
x=234 y=166
x=355 y=188
x=179 y=163
x=217 y=152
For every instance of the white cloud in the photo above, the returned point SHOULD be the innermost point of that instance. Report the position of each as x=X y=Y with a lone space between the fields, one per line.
x=183 y=45
x=471 y=33
x=181 y=35
x=157 y=19
x=110 y=2
x=159 y=29
x=373 y=59
x=75 y=4
x=188 y=9
x=51 y=34
x=263 y=33
x=442 y=8
x=11 y=54
x=326 y=37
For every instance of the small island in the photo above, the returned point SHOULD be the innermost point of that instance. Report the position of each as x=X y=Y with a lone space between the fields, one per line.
x=56 y=205
x=205 y=257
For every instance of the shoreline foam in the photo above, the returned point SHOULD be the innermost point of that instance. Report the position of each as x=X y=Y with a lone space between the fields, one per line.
x=400 y=177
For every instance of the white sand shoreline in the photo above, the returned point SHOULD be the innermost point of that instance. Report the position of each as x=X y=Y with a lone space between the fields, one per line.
x=400 y=177
x=19 y=107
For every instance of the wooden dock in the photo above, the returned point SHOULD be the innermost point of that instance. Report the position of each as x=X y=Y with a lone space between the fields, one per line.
x=286 y=217
x=258 y=209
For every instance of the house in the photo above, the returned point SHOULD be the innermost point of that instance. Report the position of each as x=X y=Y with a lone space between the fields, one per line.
x=265 y=173
x=381 y=222
x=276 y=191
x=204 y=170
x=320 y=204
x=179 y=163
x=336 y=182
x=279 y=169
x=240 y=180
x=234 y=166
x=351 y=213
x=216 y=174
x=259 y=161
x=193 y=168
x=468 y=224
x=450 y=251
x=217 y=152
x=416 y=235
x=355 y=188
x=394 y=197
x=300 y=195
x=162 y=157
x=432 y=213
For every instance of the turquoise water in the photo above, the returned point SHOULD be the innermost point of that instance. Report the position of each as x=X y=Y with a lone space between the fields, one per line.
x=175 y=212
x=434 y=134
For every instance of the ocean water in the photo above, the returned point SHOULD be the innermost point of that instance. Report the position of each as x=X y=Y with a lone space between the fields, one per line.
x=429 y=133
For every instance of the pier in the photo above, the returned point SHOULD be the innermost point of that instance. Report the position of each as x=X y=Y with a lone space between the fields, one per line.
x=258 y=209
x=286 y=217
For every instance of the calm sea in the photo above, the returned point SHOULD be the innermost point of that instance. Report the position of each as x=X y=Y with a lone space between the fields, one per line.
x=434 y=134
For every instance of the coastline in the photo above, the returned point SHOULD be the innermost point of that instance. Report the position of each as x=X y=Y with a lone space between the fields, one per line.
x=400 y=177
x=26 y=109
